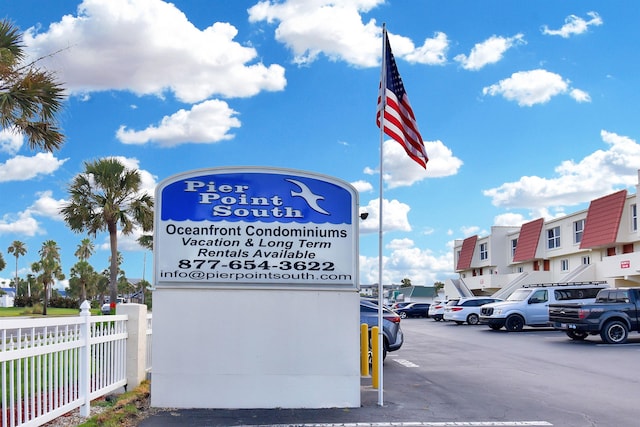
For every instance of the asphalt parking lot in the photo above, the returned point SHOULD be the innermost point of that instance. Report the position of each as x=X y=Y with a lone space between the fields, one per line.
x=449 y=375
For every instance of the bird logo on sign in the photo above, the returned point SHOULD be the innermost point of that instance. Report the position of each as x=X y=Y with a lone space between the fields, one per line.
x=308 y=196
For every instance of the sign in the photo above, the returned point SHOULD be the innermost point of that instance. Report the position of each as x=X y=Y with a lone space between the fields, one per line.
x=625 y=264
x=255 y=227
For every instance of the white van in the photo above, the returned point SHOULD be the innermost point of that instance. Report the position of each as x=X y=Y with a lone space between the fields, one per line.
x=529 y=305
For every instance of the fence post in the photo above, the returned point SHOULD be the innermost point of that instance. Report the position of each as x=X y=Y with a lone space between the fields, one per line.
x=136 y=342
x=84 y=375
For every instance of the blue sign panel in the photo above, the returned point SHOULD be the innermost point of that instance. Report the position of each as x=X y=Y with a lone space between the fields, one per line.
x=255 y=226
x=251 y=197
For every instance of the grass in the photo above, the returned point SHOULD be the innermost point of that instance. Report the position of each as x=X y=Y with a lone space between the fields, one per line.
x=127 y=410
x=51 y=311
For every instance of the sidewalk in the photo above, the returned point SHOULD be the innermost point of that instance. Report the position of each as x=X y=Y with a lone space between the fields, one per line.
x=398 y=408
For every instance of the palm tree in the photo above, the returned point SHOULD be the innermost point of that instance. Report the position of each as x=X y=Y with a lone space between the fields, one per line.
x=48 y=267
x=82 y=277
x=108 y=195
x=85 y=250
x=18 y=249
x=30 y=98
x=2 y=263
x=83 y=270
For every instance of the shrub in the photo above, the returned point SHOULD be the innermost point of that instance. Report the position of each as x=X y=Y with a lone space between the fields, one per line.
x=59 y=302
x=25 y=301
x=35 y=309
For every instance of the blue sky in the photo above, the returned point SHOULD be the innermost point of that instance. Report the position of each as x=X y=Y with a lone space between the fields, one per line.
x=527 y=110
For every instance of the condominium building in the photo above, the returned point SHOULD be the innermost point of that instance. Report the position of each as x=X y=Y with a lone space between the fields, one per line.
x=600 y=243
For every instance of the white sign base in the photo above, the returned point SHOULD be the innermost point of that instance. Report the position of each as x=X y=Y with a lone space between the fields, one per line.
x=255 y=348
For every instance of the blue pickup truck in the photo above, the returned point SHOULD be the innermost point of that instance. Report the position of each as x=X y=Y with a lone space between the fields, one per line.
x=613 y=315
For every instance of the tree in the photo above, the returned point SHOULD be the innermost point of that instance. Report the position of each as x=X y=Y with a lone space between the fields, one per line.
x=18 y=249
x=82 y=273
x=2 y=263
x=85 y=250
x=405 y=283
x=30 y=97
x=438 y=286
x=108 y=195
x=48 y=267
x=146 y=241
x=82 y=280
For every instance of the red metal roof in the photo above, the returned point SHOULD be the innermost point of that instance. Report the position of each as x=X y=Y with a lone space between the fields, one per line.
x=603 y=220
x=528 y=241
x=466 y=254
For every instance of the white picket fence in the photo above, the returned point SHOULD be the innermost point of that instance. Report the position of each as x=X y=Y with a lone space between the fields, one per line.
x=50 y=366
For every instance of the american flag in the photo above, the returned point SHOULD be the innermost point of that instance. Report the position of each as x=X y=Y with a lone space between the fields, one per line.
x=399 y=121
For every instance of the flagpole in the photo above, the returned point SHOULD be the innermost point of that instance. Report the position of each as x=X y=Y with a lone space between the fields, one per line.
x=383 y=100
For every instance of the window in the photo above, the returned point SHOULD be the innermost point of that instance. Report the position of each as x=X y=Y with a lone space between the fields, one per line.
x=564 y=265
x=618 y=295
x=578 y=229
x=514 y=244
x=634 y=217
x=539 y=296
x=573 y=294
x=484 y=253
x=553 y=238
x=586 y=260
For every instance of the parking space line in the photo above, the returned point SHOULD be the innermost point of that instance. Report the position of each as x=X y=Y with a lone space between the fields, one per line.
x=406 y=363
x=422 y=424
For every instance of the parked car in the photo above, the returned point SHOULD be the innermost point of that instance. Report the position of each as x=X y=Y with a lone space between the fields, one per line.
x=466 y=309
x=414 y=309
x=391 y=331
x=436 y=310
x=614 y=314
x=397 y=305
x=529 y=305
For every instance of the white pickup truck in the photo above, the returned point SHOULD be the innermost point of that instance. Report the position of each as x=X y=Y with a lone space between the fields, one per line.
x=529 y=305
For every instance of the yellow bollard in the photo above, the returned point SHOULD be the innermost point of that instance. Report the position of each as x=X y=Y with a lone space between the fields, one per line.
x=364 y=350
x=375 y=377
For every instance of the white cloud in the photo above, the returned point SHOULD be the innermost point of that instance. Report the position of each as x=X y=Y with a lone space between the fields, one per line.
x=207 y=122
x=509 y=219
x=125 y=242
x=45 y=205
x=432 y=52
x=400 y=170
x=24 y=223
x=533 y=87
x=336 y=30
x=580 y=95
x=489 y=51
x=324 y=26
x=21 y=224
x=149 y=47
x=421 y=266
x=10 y=141
x=574 y=25
x=22 y=168
x=362 y=186
x=395 y=216
x=597 y=174
x=470 y=230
